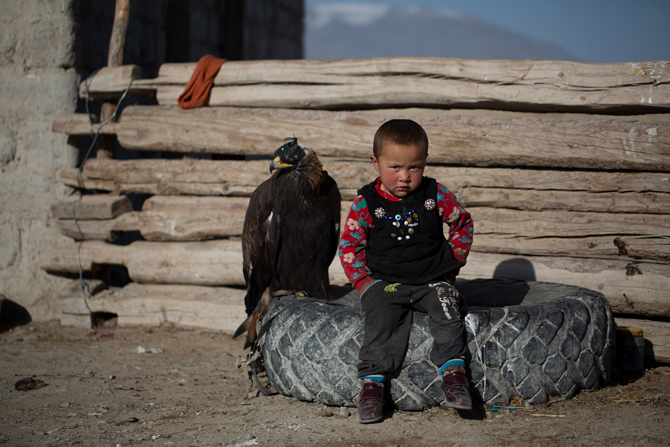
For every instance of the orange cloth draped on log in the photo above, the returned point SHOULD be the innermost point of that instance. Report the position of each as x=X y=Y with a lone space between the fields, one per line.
x=196 y=93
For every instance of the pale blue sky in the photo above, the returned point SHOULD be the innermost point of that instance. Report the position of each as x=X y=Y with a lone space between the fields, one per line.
x=591 y=30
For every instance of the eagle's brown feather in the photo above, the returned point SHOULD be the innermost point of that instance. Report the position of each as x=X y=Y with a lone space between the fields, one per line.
x=290 y=236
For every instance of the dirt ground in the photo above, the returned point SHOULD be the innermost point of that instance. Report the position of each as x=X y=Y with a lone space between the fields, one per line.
x=175 y=387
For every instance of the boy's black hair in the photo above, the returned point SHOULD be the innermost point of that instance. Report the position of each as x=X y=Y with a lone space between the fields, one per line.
x=400 y=132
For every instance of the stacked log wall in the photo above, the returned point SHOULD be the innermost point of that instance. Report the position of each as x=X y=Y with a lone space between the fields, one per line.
x=581 y=196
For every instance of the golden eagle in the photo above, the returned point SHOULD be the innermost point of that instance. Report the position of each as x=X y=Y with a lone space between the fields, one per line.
x=291 y=231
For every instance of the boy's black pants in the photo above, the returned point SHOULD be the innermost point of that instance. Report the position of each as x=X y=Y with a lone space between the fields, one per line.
x=388 y=320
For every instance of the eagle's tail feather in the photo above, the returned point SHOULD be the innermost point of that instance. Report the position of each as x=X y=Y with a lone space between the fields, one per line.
x=241 y=329
x=248 y=343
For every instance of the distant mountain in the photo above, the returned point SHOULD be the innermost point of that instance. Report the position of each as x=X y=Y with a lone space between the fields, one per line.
x=359 y=30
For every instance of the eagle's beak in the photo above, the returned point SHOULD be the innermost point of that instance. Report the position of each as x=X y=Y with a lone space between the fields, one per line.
x=277 y=164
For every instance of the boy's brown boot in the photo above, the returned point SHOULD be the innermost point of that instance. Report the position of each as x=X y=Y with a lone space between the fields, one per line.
x=370 y=402
x=456 y=389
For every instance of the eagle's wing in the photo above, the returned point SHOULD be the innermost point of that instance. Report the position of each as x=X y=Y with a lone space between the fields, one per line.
x=257 y=261
x=308 y=236
x=290 y=237
x=327 y=237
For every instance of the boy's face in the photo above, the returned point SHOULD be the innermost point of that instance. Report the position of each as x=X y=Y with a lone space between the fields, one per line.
x=400 y=168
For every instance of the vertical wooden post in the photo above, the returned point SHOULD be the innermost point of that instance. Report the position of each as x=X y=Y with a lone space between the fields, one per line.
x=119 y=31
x=114 y=59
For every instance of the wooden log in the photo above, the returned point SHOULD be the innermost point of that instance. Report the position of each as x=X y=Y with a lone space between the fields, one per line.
x=119 y=30
x=71 y=177
x=79 y=124
x=502 y=187
x=108 y=109
x=597 y=182
x=92 y=256
x=497 y=231
x=172 y=218
x=109 y=84
x=168 y=218
x=192 y=218
x=456 y=140
x=172 y=177
x=646 y=248
x=188 y=218
x=584 y=201
x=217 y=308
x=434 y=82
x=95 y=206
x=210 y=263
x=106 y=142
x=99 y=230
x=631 y=287
x=634 y=288
x=656 y=335
x=552 y=233
x=88 y=230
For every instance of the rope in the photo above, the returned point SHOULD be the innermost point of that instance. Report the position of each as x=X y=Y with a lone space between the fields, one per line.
x=80 y=181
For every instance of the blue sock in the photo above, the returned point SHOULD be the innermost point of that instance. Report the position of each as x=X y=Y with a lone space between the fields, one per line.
x=376 y=378
x=453 y=362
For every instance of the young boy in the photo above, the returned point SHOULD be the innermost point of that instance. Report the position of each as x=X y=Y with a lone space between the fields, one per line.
x=394 y=252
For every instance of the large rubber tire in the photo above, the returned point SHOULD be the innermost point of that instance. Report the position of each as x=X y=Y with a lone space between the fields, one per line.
x=528 y=339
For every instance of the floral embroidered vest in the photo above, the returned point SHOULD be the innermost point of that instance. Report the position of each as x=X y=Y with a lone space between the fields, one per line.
x=406 y=243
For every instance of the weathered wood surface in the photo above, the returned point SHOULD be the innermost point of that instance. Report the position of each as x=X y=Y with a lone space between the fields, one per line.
x=188 y=176
x=209 y=263
x=456 y=140
x=99 y=230
x=552 y=233
x=119 y=31
x=656 y=334
x=500 y=187
x=172 y=219
x=109 y=83
x=432 y=82
x=631 y=288
x=117 y=42
x=192 y=218
x=91 y=255
x=217 y=308
x=189 y=218
x=635 y=288
x=582 y=201
x=117 y=174
x=168 y=218
x=106 y=143
x=94 y=206
x=79 y=124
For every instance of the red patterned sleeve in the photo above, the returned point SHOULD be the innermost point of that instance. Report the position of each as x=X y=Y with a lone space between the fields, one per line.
x=460 y=223
x=353 y=242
